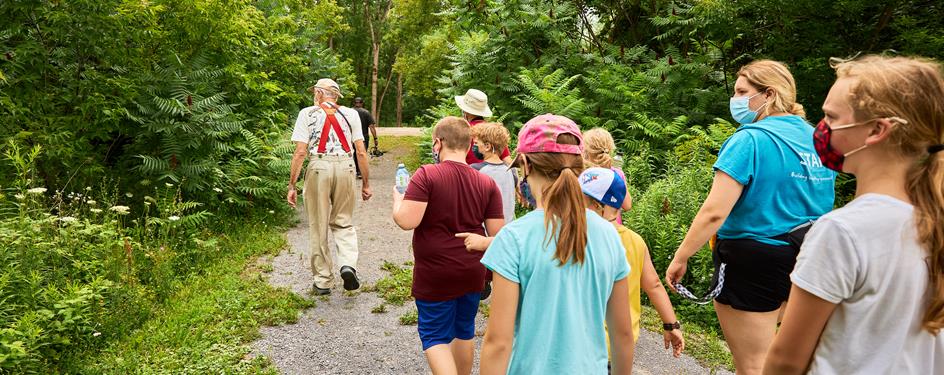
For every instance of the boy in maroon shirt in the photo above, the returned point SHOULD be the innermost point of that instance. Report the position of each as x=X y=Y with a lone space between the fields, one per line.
x=442 y=200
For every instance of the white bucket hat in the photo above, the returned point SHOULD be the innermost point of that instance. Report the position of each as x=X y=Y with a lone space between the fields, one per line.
x=474 y=102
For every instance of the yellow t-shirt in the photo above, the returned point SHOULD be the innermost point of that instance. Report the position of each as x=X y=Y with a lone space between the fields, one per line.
x=636 y=250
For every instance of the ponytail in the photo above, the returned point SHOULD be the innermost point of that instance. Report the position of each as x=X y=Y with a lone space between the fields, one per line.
x=797 y=109
x=877 y=92
x=565 y=215
x=599 y=148
x=926 y=189
x=600 y=159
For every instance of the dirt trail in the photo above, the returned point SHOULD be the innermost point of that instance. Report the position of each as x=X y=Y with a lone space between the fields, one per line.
x=341 y=335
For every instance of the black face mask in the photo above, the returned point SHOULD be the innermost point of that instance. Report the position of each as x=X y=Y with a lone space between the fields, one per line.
x=434 y=153
x=476 y=153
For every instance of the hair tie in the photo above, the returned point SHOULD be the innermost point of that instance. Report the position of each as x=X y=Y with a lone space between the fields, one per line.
x=935 y=148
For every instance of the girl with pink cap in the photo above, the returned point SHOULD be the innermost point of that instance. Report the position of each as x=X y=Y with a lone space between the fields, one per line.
x=559 y=272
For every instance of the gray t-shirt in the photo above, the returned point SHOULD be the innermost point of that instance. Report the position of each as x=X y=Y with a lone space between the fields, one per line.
x=506 y=179
x=865 y=257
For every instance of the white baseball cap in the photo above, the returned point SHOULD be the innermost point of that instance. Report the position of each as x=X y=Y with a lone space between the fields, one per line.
x=603 y=185
x=327 y=84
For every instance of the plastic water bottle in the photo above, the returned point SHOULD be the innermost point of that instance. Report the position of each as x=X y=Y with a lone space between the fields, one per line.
x=403 y=178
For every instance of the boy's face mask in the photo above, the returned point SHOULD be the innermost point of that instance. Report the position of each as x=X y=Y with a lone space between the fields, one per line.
x=436 y=153
x=476 y=153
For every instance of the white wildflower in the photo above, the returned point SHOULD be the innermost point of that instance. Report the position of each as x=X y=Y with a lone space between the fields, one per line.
x=174 y=218
x=88 y=188
x=218 y=190
x=123 y=210
x=271 y=211
x=129 y=195
x=96 y=334
x=96 y=211
x=91 y=202
x=67 y=219
x=19 y=197
x=38 y=190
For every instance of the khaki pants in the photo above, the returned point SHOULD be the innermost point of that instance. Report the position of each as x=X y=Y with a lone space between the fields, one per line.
x=329 y=199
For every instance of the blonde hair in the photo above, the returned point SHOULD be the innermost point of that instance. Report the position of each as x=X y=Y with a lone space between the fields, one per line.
x=453 y=132
x=774 y=75
x=493 y=134
x=599 y=148
x=911 y=89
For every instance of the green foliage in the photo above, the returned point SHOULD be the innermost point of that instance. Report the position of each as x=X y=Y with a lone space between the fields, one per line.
x=395 y=288
x=207 y=324
x=662 y=215
x=82 y=269
x=409 y=318
x=196 y=93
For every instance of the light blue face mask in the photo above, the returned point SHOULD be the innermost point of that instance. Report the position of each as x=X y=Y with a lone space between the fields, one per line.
x=741 y=109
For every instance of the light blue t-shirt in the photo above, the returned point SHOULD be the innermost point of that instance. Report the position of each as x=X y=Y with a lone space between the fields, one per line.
x=785 y=184
x=561 y=309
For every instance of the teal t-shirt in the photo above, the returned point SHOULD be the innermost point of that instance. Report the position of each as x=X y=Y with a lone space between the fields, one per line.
x=785 y=184
x=561 y=309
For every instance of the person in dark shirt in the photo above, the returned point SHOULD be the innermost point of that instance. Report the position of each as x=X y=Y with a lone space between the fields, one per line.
x=441 y=201
x=367 y=123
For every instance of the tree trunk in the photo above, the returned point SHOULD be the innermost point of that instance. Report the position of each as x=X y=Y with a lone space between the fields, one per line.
x=373 y=80
x=399 y=99
x=375 y=38
x=375 y=53
x=383 y=93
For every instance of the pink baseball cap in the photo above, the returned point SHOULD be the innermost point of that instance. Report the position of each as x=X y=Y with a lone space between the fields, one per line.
x=540 y=135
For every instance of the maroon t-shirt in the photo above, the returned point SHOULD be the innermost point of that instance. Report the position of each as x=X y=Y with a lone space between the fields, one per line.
x=470 y=157
x=459 y=199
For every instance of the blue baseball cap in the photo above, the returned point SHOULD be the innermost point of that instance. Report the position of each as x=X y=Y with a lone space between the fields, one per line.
x=603 y=185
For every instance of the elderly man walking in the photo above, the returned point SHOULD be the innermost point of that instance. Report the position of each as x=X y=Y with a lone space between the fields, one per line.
x=329 y=135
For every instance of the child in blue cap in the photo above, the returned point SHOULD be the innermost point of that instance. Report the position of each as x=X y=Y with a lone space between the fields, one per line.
x=604 y=192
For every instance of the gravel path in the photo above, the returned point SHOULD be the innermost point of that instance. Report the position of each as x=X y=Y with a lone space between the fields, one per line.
x=341 y=335
x=399 y=132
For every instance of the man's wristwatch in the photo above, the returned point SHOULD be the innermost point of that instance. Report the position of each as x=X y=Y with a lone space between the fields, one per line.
x=671 y=326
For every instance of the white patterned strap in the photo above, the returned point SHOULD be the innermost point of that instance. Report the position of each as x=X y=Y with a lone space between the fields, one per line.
x=710 y=296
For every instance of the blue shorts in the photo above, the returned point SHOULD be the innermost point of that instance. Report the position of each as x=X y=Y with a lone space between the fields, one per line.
x=440 y=322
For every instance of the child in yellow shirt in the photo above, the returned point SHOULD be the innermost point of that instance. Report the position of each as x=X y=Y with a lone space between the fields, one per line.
x=604 y=191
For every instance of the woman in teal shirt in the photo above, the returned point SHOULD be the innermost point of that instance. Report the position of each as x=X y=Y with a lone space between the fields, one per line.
x=768 y=181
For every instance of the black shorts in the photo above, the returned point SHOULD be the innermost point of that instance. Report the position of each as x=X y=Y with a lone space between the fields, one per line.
x=757 y=275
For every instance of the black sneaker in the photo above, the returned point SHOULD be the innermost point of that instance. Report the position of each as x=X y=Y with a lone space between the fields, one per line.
x=349 y=275
x=487 y=291
x=320 y=291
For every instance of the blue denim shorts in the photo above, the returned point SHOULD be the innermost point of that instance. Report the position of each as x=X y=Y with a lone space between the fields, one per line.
x=440 y=322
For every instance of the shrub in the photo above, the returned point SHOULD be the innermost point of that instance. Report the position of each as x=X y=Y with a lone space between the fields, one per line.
x=662 y=215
